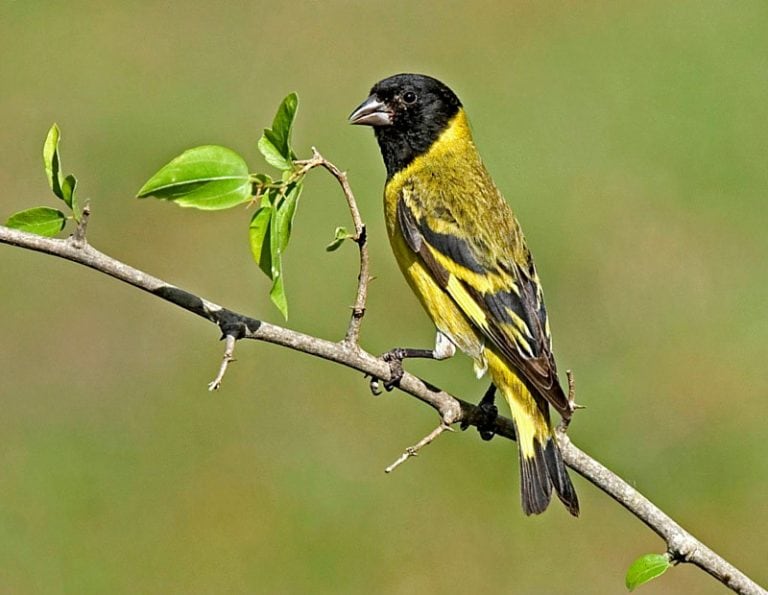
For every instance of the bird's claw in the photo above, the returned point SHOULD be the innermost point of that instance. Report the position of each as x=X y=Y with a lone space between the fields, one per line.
x=484 y=419
x=487 y=424
x=374 y=386
x=394 y=358
x=484 y=416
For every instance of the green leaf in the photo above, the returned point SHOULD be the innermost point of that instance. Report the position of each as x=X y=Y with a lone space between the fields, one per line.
x=43 y=221
x=63 y=187
x=283 y=124
x=277 y=293
x=275 y=142
x=340 y=236
x=68 y=186
x=260 y=238
x=208 y=177
x=646 y=568
x=286 y=211
x=269 y=232
x=272 y=154
x=52 y=161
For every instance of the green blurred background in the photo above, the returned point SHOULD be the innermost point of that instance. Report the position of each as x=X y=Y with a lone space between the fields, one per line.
x=629 y=136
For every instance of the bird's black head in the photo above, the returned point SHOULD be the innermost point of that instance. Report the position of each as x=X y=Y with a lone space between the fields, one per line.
x=408 y=113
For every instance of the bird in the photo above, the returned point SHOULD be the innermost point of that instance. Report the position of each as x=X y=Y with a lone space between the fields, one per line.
x=463 y=253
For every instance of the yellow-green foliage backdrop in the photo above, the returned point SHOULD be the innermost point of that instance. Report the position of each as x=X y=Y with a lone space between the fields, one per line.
x=629 y=136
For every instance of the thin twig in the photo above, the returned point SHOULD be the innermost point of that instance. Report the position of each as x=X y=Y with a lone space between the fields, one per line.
x=682 y=545
x=229 y=351
x=352 y=336
x=413 y=451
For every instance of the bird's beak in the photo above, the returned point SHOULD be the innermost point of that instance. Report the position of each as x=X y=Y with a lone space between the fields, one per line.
x=371 y=112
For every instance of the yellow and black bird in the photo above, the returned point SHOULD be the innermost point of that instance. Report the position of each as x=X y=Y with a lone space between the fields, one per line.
x=463 y=254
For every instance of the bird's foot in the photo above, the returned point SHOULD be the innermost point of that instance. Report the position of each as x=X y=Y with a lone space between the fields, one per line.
x=484 y=415
x=395 y=357
x=486 y=426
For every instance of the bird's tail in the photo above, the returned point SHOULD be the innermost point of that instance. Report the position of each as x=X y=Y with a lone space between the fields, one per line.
x=541 y=464
x=540 y=473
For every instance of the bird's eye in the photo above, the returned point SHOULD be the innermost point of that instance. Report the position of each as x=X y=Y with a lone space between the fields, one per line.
x=409 y=97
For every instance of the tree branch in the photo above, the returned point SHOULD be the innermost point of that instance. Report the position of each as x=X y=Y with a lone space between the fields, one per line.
x=681 y=545
x=245 y=327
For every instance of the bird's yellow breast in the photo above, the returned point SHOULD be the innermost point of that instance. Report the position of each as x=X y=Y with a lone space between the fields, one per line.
x=429 y=173
x=447 y=154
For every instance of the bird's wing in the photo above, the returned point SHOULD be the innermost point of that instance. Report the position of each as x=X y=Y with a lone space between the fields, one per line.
x=501 y=296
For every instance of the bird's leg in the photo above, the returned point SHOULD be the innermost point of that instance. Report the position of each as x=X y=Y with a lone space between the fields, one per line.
x=395 y=358
x=489 y=413
x=485 y=414
x=444 y=349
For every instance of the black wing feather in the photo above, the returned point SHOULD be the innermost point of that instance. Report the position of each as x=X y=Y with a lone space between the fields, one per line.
x=538 y=368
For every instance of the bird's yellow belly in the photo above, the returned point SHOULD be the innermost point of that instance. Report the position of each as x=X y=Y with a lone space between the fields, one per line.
x=443 y=311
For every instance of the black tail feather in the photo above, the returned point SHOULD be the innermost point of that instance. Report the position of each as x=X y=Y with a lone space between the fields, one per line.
x=559 y=476
x=535 y=485
x=539 y=474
